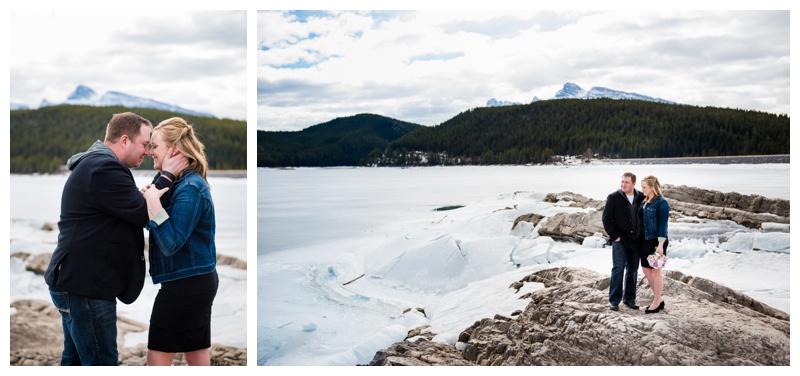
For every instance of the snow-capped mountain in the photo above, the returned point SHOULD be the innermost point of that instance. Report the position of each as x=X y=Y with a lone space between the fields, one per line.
x=571 y=90
x=496 y=103
x=18 y=106
x=84 y=95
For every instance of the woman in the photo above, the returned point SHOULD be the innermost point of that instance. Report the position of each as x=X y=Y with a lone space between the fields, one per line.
x=182 y=252
x=654 y=215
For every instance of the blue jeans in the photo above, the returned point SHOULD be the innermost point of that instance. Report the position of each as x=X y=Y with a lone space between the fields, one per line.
x=90 y=330
x=625 y=263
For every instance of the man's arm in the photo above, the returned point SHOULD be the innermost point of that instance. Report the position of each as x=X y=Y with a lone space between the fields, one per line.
x=608 y=221
x=114 y=191
x=173 y=165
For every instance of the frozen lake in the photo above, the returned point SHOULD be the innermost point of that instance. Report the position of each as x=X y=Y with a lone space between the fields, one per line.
x=321 y=227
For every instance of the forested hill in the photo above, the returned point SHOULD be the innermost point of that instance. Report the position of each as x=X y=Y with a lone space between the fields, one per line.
x=609 y=128
x=340 y=142
x=42 y=140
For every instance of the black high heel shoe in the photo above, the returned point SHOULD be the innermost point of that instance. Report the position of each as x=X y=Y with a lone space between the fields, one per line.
x=658 y=309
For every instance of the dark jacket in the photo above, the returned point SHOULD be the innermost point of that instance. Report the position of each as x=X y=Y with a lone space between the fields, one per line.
x=618 y=217
x=100 y=251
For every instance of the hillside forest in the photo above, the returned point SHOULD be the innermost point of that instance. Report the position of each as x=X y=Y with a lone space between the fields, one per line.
x=43 y=139
x=532 y=134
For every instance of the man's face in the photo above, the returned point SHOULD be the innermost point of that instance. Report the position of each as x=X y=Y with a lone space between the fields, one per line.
x=138 y=148
x=626 y=185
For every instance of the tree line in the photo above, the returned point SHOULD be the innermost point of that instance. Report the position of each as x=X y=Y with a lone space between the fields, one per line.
x=43 y=139
x=533 y=134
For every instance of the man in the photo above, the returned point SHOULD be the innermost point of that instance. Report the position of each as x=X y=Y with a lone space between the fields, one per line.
x=100 y=253
x=619 y=221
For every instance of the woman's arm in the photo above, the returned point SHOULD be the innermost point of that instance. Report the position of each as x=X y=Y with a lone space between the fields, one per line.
x=186 y=209
x=663 y=223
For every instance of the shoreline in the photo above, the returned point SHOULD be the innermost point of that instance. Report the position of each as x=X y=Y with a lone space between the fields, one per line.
x=736 y=159
x=578 y=161
x=235 y=174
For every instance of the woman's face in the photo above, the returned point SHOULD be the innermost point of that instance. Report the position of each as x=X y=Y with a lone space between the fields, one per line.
x=646 y=189
x=158 y=149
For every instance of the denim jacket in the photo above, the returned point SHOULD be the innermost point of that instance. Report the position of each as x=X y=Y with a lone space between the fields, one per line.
x=656 y=218
x=183 y=245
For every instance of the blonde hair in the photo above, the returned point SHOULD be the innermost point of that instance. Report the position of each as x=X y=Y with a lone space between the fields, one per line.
x=180 y=134
x=652 y=181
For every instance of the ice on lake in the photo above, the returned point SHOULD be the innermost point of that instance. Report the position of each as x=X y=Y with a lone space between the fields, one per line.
x=343 y=252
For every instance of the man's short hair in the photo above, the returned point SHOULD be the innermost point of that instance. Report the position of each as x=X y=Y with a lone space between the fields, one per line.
x=126 y=123
x=630 y=175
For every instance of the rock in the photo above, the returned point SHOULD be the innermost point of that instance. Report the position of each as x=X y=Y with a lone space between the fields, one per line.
x=36 y=339
x=568 y=323
x=732 y=200
x=744 y=218
x=751 y=211
x=532 y=218
x=574 y=226
x=575 y=200
x=231 y=261
x=38 y=263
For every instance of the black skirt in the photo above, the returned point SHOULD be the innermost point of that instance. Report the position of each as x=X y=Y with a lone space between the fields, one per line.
x=181 y=318
x=647 y=248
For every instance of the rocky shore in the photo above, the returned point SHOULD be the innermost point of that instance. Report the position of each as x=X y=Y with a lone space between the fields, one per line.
x=568 y=323
x=36 y=334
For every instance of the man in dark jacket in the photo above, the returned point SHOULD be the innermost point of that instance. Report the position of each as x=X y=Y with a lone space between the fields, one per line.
x=100 y=253
x=619 y=221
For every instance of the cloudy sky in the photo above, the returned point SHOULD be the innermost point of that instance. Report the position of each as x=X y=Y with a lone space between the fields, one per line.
x=427 y=66
x=193 y=59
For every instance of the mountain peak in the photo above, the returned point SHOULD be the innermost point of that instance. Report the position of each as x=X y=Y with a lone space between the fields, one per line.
x=81 y=93
x=496 y=103
x=84 y=95
x=571 y=90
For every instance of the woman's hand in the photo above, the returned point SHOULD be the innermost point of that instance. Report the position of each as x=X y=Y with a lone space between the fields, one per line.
x=659 y=249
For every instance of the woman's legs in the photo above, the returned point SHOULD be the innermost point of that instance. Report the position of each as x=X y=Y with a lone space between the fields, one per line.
x=658 y=287
x=651 y=280
x=200 y=357
x=159 y=358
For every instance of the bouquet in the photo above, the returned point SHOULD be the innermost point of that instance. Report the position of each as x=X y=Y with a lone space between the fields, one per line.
x=657 y=260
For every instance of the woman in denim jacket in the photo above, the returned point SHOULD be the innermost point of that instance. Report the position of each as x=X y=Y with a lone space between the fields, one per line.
x=182 y=252
x=654 y=214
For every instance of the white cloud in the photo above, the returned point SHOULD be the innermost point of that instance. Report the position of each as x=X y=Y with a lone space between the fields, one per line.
x=194 y=59
x=428 y=66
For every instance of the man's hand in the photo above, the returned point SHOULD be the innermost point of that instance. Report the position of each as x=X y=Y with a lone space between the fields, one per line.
x=153 y=193
x=174 y=162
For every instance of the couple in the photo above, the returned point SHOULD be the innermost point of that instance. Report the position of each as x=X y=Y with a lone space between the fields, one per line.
x=636 y=223
x=99 y=257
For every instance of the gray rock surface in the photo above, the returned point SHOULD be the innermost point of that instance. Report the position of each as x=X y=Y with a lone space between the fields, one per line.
x=747 y=210
x=568 y=323
x=36 y=339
